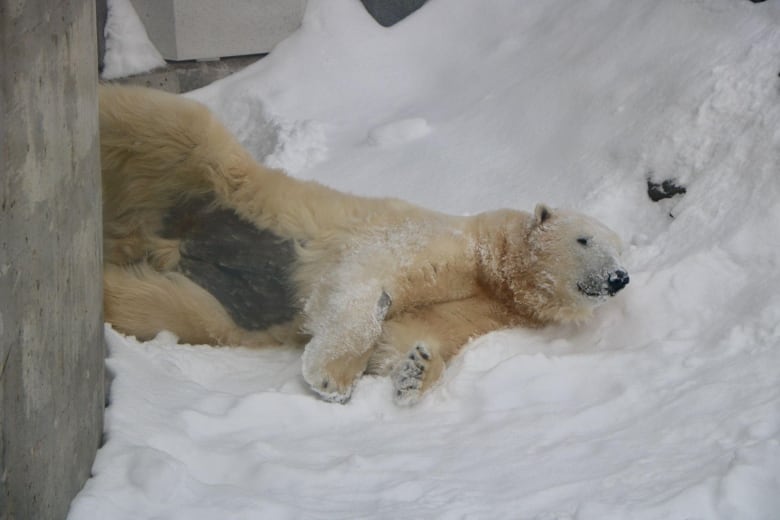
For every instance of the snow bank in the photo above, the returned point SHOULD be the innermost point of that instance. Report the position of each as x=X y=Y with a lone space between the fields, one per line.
x=666 y=405
x=128 y=49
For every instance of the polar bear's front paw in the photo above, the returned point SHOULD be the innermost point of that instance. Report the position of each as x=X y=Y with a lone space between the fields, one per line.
x=412 y=376
x=332 y=393
x=334 y=379
x=331 y=386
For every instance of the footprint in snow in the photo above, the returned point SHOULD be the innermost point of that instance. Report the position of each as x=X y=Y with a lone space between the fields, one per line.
x=399 y=132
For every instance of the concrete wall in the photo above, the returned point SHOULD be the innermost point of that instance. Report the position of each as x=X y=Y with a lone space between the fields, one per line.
x=206 y=29
x=51 y=343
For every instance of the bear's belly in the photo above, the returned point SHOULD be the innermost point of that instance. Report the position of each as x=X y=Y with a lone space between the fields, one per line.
x=245 y=268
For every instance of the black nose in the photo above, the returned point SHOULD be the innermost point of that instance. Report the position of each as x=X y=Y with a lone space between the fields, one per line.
x=617 y=281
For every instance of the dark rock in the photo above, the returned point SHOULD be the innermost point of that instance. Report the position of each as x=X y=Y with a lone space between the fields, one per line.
x=390 y=12
x=665 y=189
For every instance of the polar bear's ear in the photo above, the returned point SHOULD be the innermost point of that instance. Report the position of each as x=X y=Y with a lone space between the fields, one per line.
x=542 y=213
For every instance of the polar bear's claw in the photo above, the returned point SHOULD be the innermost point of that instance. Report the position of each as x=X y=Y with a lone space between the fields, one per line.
x=331 y=396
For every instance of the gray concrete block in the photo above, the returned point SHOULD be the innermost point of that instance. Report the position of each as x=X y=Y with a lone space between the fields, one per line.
x=204 y=29
x=51 y=333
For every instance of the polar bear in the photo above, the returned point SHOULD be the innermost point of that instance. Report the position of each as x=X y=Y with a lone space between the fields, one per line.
x=201 y=240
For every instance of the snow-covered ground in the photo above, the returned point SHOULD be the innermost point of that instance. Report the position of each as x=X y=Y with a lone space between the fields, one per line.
x=665 y=406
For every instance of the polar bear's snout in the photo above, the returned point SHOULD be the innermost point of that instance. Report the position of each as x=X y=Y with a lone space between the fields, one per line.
x=616 y=281
x=598 y=285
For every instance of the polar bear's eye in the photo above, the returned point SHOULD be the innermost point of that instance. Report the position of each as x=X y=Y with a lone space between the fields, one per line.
x=582 y=241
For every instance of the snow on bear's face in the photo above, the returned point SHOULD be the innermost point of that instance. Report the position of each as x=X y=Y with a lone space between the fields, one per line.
x=579 y=261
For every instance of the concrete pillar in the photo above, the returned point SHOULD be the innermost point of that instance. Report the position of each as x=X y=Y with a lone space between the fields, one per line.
x=207 y=29
x=51 y=342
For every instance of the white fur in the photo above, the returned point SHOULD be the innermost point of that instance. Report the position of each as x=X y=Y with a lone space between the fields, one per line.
x=447 y=278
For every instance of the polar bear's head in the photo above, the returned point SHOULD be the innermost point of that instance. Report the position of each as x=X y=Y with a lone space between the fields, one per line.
x=574 y=261
x=552 y=266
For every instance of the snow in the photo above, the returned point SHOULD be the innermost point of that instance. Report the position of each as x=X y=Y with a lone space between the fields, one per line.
x=128 y=49
x=399 y=132
x=665 y=406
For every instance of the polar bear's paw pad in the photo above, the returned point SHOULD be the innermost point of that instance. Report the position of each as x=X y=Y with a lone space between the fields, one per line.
x=410 y=374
